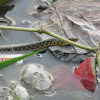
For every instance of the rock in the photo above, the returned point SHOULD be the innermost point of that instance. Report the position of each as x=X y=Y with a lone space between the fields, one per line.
x=4 y=93
x=18 y=91
x=36 y=76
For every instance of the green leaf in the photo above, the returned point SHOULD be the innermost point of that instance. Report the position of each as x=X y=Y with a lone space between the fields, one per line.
x=3 y=2
x=12 y=61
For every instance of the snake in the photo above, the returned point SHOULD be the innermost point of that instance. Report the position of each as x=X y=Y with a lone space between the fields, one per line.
x=36 y=46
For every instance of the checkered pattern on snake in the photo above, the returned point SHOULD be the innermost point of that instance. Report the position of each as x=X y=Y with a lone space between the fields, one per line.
x=36 y=46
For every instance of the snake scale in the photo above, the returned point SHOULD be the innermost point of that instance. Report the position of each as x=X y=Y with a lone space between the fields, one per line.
x=36 y=46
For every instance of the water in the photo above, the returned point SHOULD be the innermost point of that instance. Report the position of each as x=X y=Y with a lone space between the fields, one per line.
x=20 y=12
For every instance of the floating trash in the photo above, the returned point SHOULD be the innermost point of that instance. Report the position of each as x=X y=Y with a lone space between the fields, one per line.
x=41 y=7
x=83 y=77
x=26 y=22
x=86 y=74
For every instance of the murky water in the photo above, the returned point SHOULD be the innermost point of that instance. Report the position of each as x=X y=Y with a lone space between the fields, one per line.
x=18 y=15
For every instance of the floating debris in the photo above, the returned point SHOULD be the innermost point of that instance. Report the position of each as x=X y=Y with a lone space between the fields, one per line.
x=86 y=74
x=83 y=77
x=41 y=7
x=38 y=55
x=26 y=22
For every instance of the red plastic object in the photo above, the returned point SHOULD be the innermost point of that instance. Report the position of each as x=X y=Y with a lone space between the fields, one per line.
x=85 y=74
x=82 y=78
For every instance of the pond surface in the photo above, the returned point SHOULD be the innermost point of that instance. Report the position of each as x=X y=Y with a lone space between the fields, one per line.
x=20 y=13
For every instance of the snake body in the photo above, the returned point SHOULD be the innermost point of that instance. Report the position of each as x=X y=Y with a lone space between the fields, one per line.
x=36 y=46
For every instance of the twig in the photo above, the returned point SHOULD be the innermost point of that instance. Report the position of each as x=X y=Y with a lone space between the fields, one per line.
x=98 y=59
x=69 y=42
x=7 y=40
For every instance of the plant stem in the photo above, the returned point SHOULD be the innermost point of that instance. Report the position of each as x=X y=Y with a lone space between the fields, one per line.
x=19 y=28
x=51 y=34
x=69 y=42
x=98 y=59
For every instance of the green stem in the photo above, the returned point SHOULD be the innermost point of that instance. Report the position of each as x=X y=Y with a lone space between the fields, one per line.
x=98 y=59
x=51 y=34
x=19 y=28
x=69 y=42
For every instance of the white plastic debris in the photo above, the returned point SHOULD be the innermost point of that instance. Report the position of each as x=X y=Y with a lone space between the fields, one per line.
x=4 y=57
x=26 y=21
